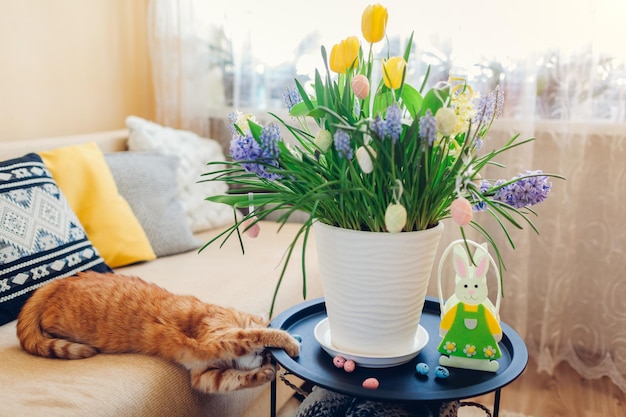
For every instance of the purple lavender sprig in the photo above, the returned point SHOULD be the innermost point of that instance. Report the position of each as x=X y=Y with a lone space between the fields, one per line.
x=391 y=126
x=428 y=127
x=258 y=156
x=291 y=97
x=342 y=144
x=529 y=189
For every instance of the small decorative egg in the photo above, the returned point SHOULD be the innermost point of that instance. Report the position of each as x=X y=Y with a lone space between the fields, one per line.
x=323 y=140
x=364 y=155
x=370 y=383
x=395 y=218
x=422 y=368
x=461 y=211
x=297 y=337
x=349 y=366
x=441 y=372
x=360 y=86
x=339 y=361
x=252 y=230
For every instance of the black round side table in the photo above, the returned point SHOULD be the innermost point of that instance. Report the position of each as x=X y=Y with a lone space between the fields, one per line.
x=397 y=383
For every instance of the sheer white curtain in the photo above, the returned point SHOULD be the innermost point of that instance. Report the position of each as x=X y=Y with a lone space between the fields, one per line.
x=562 y=67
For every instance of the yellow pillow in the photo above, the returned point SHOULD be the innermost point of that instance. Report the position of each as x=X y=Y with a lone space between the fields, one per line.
x=83 y=175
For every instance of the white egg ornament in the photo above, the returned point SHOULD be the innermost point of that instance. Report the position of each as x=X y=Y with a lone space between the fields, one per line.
x=395 y=218
x=364 y=157
x=323 y=140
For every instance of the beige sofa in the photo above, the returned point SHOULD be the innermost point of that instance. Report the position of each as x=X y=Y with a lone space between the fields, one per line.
x=136 y=385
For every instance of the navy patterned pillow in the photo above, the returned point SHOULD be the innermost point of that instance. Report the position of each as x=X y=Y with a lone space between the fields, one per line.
x=41 y=239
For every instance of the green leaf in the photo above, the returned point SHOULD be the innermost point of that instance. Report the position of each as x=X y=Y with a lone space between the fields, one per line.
x=304 y=95
x=255 y=129
x=302 y=109
x=319 y=89
x=317 y=113
x=434 y=99
x=412 y=99
x=407 y=50
x=382 y=100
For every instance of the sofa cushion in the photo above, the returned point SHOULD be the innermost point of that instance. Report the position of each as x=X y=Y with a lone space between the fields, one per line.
x=148 y=182
x=41 y=239
x=86 y=180
x=193 y=153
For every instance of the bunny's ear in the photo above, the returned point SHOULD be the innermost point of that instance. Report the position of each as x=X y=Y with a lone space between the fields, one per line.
x=482 y=261
x=460 y=261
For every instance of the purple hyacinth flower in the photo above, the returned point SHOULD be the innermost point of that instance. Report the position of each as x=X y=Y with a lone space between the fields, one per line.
x=428 y=127
x=342 y=144
x=378 y=126
x=256 y=157
x=291 y=97
x=393 y=122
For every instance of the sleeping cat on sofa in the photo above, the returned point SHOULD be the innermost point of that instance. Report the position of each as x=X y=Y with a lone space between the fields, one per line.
x=80 y=316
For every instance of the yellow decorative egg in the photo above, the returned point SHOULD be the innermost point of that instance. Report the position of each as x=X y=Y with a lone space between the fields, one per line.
x=395 y=218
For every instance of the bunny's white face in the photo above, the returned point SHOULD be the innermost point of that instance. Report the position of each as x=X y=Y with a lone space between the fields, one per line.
x=471 y=291
x=471 y=281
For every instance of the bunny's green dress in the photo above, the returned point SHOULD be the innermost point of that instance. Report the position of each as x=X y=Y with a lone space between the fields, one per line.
x=471 y=331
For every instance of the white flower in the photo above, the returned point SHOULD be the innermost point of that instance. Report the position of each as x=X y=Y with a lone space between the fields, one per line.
x=242 y=121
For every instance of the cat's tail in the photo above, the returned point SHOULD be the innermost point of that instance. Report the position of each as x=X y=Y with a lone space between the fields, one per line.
x=35 y=340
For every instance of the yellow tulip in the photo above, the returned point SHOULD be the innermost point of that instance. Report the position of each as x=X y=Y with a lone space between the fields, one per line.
x=345 y=55
x=374 y=23
x=335 y=62
x=393 y=71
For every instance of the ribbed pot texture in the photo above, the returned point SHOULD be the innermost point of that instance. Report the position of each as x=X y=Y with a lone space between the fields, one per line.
x=375 y=285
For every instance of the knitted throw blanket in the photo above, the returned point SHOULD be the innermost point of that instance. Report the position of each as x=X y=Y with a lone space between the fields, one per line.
x=323 y=403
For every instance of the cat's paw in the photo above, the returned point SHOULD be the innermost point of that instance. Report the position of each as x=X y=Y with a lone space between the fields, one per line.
x=265 y=374
x=292 y=347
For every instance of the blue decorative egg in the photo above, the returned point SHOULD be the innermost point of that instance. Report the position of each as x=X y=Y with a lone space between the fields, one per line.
x=441 y=372
x=422 y=368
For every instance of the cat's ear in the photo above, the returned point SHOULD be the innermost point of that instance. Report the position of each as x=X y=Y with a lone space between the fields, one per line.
x=460 y=262
x=482 y=261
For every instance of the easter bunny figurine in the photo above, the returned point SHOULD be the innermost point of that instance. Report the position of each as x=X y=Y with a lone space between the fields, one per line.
x=470 y=326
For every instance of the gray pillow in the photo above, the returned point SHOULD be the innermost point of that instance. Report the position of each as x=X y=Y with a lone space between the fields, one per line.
x=148 y=182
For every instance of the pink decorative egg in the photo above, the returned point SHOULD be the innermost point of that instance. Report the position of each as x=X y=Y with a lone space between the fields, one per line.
x=339 y=361
x=360 y=86
x=253 y=230
x=371 y=383
x=461 y=211
x=349 y=366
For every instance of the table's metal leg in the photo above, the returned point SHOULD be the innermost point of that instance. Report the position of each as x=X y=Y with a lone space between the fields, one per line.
x=273 y=393
x=496 y=404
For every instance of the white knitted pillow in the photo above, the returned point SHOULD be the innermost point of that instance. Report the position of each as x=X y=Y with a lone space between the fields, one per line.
x=193 y=153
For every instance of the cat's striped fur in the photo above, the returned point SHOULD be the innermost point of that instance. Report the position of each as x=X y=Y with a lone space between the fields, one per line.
x=80 y=316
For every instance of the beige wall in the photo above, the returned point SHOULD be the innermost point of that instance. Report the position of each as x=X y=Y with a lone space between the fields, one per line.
x=72 y=66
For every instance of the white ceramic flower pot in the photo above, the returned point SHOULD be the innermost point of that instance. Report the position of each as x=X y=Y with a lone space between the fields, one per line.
x=375 y=285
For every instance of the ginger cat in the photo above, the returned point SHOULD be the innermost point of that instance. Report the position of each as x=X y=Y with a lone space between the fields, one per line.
x=80 y=316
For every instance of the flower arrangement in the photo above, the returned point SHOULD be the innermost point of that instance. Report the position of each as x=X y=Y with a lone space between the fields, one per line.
x=383 y=157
